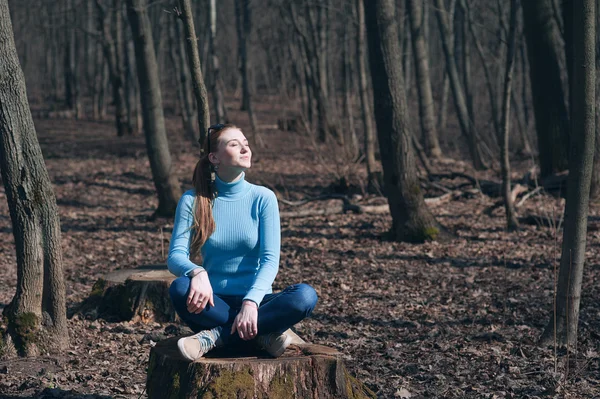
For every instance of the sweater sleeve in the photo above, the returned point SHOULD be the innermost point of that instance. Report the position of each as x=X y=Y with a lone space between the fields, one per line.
x=270 y=242
x=179 y=262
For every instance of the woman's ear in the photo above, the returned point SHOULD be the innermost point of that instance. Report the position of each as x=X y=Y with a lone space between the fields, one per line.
x=212 y=158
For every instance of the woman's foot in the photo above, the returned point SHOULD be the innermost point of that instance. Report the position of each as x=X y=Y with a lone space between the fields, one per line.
x=275 y=344
x=197 y=345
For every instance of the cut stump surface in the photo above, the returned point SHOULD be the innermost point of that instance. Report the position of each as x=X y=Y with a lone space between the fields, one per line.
x=138 y=295
x=304 y=371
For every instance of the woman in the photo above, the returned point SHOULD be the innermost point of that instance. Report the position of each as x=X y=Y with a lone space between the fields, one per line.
x=235 y=226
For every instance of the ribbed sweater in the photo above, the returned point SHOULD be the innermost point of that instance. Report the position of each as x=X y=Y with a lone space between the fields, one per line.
x=241 y=257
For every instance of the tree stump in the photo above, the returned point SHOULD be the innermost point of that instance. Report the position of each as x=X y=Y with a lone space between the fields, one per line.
x=304 y=371
x=139 y=295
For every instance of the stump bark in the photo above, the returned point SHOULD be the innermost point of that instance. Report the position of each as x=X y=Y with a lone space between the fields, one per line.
x=138 y=295
x=304 y=371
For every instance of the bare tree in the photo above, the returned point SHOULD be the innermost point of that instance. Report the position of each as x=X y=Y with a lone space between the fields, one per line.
x=426 y=111
x=111 y=41
x=193 y=57
x=462 y=111
x=511 y=220
x=411 y=219
x=363 y=90
x=189 y=117
x=216 y=89
x=564 y=320
x=551 y=118
x=167 y=187
x=37 y=321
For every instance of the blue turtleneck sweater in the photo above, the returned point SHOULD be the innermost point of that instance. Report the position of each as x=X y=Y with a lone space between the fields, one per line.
x=242 y=255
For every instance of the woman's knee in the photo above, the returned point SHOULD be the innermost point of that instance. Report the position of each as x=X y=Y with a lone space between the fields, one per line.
x=179 y=288
x=306 y=298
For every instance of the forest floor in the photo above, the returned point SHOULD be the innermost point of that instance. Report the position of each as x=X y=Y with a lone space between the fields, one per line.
x=452 y=320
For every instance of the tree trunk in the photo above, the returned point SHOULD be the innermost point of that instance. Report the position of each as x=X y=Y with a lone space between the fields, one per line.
x=111 y=41
x=167 y=186
x=465 y=121
x=551 y=118
x=595 y=186
x=217 y=92
x=304 y=371
x=191 y=46
x=243 y=24
x=189 y=117
x=244 y=28
x=411 y=219
x=511 y=219
x=37 y=321
x=426 y=111
x=564 y=320
x=363 y=91
x=443 y=108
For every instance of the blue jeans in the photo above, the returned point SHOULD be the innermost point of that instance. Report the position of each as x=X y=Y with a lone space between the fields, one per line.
x=276 y=313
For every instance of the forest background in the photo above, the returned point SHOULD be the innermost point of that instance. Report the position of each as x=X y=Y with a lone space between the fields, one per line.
x=472 y=100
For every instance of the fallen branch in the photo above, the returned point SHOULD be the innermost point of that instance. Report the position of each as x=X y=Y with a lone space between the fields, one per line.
x=347 y=206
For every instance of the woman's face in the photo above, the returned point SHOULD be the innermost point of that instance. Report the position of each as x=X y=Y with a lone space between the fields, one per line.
x=233 y=151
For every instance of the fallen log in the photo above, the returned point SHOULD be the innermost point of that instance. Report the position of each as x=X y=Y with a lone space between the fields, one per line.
x=304 y=371
x=139 y=295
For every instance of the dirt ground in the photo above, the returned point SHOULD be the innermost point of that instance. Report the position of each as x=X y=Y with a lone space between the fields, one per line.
x=455 y=320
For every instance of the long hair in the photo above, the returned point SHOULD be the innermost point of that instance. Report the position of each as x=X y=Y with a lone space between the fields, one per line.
x=203 y=181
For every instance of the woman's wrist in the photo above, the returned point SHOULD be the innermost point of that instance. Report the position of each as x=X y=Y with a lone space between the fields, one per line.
x=250 y=303
x=196 y=272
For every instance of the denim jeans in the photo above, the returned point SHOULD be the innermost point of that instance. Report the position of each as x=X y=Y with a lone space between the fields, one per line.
x=276 y=313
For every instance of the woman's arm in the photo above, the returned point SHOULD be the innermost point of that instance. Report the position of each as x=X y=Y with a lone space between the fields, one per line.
x=269 y=233
x=179 y=262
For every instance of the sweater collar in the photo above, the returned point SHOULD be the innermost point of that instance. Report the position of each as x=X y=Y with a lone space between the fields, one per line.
x=233 y=190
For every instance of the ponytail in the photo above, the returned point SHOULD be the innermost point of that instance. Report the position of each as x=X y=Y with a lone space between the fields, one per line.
x=204 y=224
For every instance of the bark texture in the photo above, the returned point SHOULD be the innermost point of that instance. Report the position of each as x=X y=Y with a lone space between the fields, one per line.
x=411 y=219
x=564 y=322
x=304 y=371
x=37 y=321
x=167 y=186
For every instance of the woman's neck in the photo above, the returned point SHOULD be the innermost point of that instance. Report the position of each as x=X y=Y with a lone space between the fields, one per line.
x=229 y=176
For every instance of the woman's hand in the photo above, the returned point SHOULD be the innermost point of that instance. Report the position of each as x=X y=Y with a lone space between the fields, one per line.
x=200 y=294
x=246 y=321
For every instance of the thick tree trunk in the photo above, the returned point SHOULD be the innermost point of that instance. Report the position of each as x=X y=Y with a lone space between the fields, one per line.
x=167 y=186
x=411 y=219
x=363 y=91
x=551 y=118
x=595 y=187
x=564 y=320
x=465 y=121
x=511 y=219
x=37 y=321
x=193 y=57
x=304 y=371
x=426 y=111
